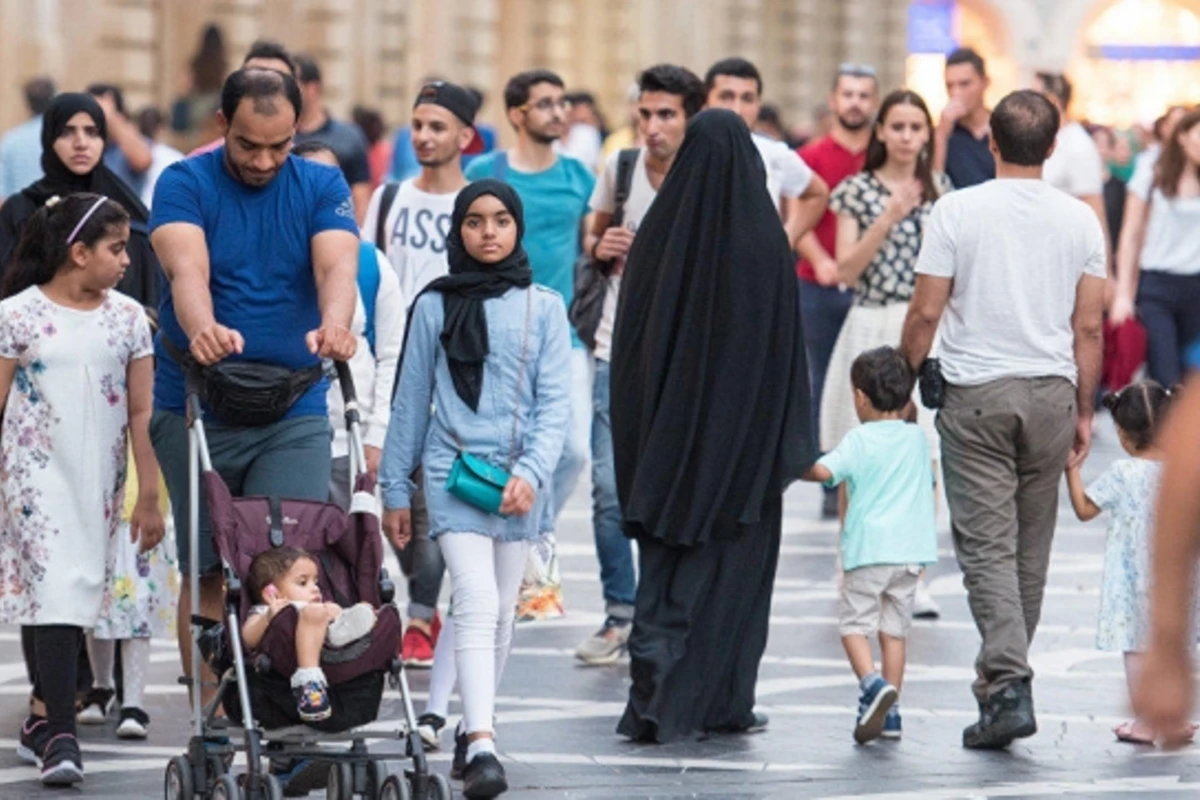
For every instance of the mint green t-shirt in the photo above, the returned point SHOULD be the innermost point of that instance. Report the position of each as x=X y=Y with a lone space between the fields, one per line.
x=555 y=201
x=886 y=468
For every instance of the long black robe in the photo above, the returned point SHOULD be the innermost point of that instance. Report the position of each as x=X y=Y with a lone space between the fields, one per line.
x=711 y=421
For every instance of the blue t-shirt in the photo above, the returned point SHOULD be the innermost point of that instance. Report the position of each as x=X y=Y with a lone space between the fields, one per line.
x=260 y=260
x=1193 y=356
x=887 y=471
x=968 y=160
x=556 y=201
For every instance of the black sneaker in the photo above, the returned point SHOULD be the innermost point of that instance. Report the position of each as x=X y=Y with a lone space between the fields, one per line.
x=429 y=727
x=62 y=764
x=459 y=765
x=96 y=706
x=135 y=724
x=1007 y=716
x=34 y=735
x=484 y=778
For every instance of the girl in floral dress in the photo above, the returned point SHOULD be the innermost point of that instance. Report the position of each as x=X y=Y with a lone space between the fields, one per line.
x=75 y=378
x=1126 y=490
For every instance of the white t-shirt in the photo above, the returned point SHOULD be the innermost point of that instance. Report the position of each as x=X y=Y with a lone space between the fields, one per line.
x=415 y=230
x=161 y=157
x=641 y=195
x=1172 y=237
x=787 y=174
x=1075 y=165
x=1016 y=251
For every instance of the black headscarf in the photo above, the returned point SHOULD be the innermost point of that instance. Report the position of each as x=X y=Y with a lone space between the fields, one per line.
x=59 y=179
x=470 y=282
x=711 y=413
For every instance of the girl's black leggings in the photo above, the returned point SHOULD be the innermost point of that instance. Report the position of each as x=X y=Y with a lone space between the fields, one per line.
x=52 y=658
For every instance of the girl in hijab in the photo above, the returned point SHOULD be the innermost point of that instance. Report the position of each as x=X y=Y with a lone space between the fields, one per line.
x=711 y=421
x=491 y=353
x=73 y=134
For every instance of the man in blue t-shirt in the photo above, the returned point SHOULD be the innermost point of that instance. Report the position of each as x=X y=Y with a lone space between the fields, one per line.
x=555 y=190
x=260 y=249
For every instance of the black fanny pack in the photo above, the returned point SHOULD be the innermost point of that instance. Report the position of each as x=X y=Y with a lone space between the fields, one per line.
x=248 y=394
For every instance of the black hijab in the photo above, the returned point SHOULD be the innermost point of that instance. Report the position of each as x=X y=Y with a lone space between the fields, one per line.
x=711 y=413
x=470 y=282
x=60 y=180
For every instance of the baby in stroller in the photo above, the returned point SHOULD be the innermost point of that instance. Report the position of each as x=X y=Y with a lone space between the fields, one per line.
x=283 y=576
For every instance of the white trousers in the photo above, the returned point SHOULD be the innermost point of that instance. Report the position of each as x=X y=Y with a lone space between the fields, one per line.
x=485 y=575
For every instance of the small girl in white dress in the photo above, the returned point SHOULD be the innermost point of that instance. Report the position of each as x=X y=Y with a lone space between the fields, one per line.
x=75 y=378
x=1127 y=490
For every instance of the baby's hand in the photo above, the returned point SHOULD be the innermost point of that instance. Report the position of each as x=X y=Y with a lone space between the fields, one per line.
x=334 y=611
x=275 y=604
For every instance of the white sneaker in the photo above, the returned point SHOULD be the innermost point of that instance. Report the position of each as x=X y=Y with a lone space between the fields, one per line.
x=924 y=606
x=353 y=624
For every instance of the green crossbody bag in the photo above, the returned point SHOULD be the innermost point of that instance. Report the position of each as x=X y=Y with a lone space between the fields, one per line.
x=474 y=480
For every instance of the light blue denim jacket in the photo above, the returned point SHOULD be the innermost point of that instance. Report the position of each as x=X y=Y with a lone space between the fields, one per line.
x=428 y=414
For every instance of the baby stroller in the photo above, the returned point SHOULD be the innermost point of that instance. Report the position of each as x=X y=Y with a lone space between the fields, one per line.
x=254 y=688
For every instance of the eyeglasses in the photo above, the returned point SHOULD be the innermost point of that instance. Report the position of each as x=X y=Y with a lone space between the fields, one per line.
x=857 y=70
x=547 y=105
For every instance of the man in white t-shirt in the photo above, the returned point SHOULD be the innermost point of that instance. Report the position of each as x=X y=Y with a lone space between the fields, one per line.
x=668 y=97
x=1020 y=349
x=409 y=223
x=1075 y=165
x=735 y=84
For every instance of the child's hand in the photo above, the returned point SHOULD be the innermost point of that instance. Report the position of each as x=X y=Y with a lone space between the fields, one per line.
x=146 y=524
x=334 y=611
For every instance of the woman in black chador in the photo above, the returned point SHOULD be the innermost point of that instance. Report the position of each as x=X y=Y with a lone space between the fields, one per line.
x=711 y=421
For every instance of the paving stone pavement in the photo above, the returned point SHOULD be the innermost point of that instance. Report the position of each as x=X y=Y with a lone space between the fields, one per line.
x=556 y=720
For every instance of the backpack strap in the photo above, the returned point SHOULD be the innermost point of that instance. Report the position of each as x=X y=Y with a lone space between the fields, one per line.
x=500 y=165
x=626 y=160
x=368 y=287
x=385 y=207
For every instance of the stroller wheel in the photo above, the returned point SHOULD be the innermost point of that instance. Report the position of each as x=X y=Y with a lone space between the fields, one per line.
x=439 y=787
x=178 y=784
x=272 y=788
x=341 y=782
x=394 y=788
x=226 y=788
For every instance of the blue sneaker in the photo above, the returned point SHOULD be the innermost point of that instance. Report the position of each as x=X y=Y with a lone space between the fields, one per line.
x=872 y=708
x=891 y=724
x=312 y=701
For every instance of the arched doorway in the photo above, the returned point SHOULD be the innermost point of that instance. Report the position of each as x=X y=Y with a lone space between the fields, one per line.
x=938 y=26
x=1135 y=58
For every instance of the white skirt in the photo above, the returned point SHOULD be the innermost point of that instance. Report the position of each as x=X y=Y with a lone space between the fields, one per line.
x=866 y=327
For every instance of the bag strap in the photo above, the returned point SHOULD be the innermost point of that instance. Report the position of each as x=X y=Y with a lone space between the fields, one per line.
x=368 y=287
x=385 y=208
x=626 y=160
x=512 y=458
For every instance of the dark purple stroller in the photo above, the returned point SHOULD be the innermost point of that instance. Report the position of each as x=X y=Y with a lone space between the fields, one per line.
x=254 y=686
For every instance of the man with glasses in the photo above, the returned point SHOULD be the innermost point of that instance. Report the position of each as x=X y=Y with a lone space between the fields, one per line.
x=736 y=84
x=824 y=302
x=555 y=190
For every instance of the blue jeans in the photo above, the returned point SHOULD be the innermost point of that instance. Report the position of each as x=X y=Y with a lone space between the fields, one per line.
x=823 y=309
x=612 y=547
x=1169 y=307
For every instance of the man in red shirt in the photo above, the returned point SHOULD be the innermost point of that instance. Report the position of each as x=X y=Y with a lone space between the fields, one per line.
x=824 y=303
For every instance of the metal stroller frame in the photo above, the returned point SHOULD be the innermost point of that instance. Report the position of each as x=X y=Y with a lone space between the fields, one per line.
x=204 y=771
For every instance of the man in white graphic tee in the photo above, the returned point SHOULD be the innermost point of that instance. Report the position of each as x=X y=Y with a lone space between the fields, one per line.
x=409 y=222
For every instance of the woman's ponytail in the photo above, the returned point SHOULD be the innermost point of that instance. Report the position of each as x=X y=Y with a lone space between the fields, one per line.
x=44 y=247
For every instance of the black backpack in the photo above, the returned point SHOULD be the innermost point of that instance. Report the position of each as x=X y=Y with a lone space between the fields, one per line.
x=591 y=276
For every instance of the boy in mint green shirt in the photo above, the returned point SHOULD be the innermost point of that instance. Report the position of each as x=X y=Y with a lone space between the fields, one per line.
x=890 y=531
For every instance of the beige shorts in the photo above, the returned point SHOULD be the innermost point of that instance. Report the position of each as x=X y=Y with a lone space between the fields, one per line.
x=878 y=599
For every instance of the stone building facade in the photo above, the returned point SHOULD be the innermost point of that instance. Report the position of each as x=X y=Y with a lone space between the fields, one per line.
x=376 y=52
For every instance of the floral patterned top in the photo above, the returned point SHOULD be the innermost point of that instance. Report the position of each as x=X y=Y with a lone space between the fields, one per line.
x=1126 y=493
x=63 y=452
x=891 y=275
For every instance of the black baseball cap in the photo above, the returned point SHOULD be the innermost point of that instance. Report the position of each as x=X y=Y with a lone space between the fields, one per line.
x=459 y=101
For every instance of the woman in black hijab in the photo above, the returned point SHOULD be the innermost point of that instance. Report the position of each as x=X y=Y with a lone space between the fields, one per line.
x=711 y=421
x=73 y=134
x=492 y=355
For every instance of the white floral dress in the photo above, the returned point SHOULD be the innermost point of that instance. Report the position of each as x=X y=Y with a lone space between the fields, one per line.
x=63 y=452
x=1126 y=491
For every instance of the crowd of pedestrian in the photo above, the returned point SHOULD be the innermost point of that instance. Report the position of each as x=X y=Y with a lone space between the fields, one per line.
x=691 y=305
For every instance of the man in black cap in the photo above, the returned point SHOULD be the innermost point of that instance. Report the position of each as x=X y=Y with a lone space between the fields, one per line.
x=409 y=221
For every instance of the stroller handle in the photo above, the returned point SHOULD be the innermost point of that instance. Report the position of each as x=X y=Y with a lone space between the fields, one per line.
x=346 y=382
